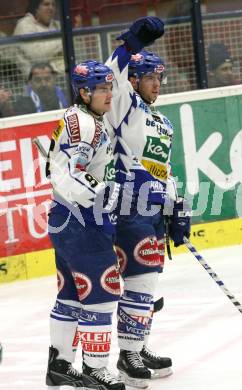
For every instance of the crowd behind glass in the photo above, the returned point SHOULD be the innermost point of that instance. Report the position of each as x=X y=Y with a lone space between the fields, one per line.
x=32 y=75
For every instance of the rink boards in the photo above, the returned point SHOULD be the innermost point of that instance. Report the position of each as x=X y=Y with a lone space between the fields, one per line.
x=41 y=263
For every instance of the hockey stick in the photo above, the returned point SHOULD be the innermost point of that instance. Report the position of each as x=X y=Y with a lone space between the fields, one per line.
x=40 y=147
x=213 y=275
x=167 y=238
x=158 y=304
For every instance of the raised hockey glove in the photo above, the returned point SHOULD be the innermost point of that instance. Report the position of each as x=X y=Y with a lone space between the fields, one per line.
x=143 y=32
x=179 y=221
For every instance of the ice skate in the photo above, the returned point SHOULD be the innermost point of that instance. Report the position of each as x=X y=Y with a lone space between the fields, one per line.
x=100 y=378
x=61 y=373
x=132 y=369
x=160 y=366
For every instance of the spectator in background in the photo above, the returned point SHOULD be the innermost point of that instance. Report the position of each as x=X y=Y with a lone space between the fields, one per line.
x=220 y=66
x=6 y=106
x=39 y=18
x=41 y=94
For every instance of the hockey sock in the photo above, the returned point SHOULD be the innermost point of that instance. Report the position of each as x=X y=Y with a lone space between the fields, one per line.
x=134 y=310
x=94 y=332
x=149 y=324
x=63 y=325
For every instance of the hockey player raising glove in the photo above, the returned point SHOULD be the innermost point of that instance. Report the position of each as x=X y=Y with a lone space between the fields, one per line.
x=143 y=32
x=179 y=221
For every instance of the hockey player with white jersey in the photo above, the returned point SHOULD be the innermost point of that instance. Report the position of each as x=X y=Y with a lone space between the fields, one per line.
x=141 y=130
x=79 y=163
x=88 y=279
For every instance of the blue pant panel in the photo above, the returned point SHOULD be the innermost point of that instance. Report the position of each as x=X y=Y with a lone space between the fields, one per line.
x=86 y=260
x=131 y=235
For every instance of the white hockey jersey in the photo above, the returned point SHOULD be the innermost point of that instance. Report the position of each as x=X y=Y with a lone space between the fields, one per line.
x=137 y=128
x=80 y=158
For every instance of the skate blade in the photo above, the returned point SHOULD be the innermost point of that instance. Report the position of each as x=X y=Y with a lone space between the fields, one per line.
x=128 y=387
x=134 y=382
x=162 y=373
x=66 y=387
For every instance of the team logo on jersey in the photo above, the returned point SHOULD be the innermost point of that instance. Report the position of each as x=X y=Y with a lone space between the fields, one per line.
x=82 y=155
x=167 y=122
x=146 y=252
x=157 y=170
x=122 y=258
x=157 y=148
x=83 y=285
x=97 y=135
x=60 y=281
x=57 y=132
x=74 y=128
x=82 y=70
x=161 y=129
x=110 y=280
x=109 y=174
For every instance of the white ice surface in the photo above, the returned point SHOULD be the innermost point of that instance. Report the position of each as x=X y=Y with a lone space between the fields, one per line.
x=199 y=328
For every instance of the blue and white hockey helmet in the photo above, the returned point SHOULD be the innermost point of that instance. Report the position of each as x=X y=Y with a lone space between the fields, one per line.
x=147 y=62
x=90 y=73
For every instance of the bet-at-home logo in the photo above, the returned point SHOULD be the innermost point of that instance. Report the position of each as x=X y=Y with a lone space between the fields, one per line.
x=109 y=172
x=200 y=159
x=155 y=149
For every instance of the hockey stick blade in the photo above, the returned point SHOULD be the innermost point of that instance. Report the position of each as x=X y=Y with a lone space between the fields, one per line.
x=158 y=305
x=213 y=275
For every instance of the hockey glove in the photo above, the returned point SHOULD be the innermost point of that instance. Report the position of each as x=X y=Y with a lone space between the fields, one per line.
x=179 y=221
x=143 y=32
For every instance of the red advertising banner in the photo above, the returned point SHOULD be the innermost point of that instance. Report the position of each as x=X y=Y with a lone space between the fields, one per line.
x=25 y=193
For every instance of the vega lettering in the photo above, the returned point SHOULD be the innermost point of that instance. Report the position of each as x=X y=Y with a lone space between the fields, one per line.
x=145 y=298
x=126 y=318
x=135 y=331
